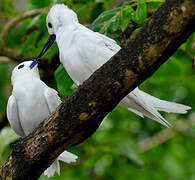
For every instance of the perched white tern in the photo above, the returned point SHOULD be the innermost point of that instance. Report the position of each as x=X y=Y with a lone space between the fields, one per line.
x=30 y=103
x=83 y=51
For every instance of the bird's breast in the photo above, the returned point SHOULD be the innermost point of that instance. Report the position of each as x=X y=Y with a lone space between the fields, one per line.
x=75 y=67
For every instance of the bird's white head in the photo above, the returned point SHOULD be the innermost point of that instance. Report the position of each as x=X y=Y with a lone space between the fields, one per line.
x=60 y=15
x=23 y=70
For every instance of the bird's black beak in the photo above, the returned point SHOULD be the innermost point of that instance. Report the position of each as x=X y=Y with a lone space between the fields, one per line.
x=47 y=45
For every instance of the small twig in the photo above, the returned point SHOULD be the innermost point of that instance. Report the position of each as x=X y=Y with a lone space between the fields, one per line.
x=13 y=22
x=6 y=60
x=153 y=141
x=164 y=135
x=16 y=20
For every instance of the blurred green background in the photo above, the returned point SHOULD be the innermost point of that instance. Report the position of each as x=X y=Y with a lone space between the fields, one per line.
x=125 y=146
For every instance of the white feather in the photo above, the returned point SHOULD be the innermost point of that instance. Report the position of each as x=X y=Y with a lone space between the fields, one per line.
x=52 y=98
x=67 y=157
x=83 y=51
x=30 y=103
x=163 y=105
x=13 y=116
x=55 y=167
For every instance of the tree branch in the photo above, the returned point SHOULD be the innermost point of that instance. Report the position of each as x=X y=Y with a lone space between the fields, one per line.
x=165 y=135
x=6 y=60
x=81 y=114
x=5 y=51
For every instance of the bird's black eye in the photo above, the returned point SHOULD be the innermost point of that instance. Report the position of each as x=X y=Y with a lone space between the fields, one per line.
x=49 y=25
x=21 y=66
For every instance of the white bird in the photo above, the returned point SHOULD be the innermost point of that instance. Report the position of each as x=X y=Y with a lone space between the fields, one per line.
x=83 y=51
x=30 y=103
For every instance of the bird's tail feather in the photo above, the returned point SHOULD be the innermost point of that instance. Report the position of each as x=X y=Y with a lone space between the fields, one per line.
x=144 y=104
x=163 y=105
x=55 y=167
x=67 y=157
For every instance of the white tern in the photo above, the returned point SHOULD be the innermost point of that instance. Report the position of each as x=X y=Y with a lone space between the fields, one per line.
x=30 y=103
x=83 y=51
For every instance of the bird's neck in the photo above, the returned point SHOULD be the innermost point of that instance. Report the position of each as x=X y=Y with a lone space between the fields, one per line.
x=26 y=79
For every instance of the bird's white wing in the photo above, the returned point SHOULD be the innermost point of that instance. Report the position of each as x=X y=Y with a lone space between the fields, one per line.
x=110 y=43
x=52 y=99
x=95 y=49
x=13 y=116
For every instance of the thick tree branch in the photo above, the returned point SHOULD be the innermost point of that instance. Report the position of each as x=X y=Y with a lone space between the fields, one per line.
x=80 y=115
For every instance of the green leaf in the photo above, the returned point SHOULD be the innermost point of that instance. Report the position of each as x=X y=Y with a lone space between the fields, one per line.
x=7 y=136
x=103 y=19
x=126 y=15
x=140 y=13
x=112 y=22
x=64 y=82
x=115 y=23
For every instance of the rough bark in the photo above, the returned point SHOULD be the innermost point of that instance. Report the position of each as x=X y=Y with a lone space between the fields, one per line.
x=80 y=115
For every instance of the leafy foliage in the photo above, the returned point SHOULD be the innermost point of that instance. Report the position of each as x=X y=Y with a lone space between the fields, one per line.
x=116 y=22
x=113 y=152
x=113 y=22
x=7 y=136
x=64 y=82
x=141 y=12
